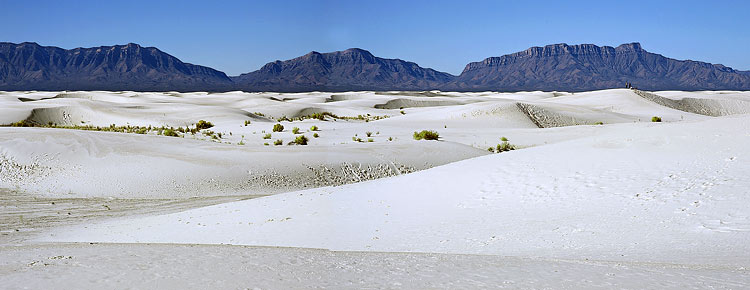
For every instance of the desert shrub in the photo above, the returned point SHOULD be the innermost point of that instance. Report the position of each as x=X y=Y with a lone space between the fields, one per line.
x=491 y=149
x=503 y=139
x=295 y=130
x=278 y=128
x=301 y=140
x=247 y=122
x=599 y=123
x=369 y=134
x=266 y=144
x=202 y=124
x=390 y=138
x=426 y=135
x=403 y=113
x=278 y=142
x=370 y=140
x=315 y=135
x=170 y=133
x=314 y=128
x=267 y=136
x=655 y=119
x=504 y=146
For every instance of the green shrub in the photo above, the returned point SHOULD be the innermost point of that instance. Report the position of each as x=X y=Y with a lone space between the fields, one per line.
x=426 y=135
x=599 y=123
x=315 y=135
x=267 y=136
x=278 y=128
x=390 y=138
x=504 y=146
x=370 y=140
x=491 y=149
x=301 y=140
x=202 y=124
x=314 y=128
x=170 y=133
x=403 y=113
x=295 y=130
x=278 y=142
x=266 y=144
x=247 y=123
x=655 y=119
x=503 y=139
x=369 y=134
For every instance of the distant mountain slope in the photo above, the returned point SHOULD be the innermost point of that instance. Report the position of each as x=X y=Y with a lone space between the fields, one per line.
x=585 y=67
x=352 y=69
x=558 y=67
x=29 y=66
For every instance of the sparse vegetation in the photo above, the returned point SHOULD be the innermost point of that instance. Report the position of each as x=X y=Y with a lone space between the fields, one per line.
x=323 y=115
x=426 y=135
x=402 y=112
x=314 y=128
x=247 y=122
x=390 y=138
x=369 y=134
x=503 y=146
x=169 y=132
x=203 y=124
x=370 y=140
x=655 y=119
x=278 y=142
x=301 y=140
x=599 y=123
x=278 y=128
x=295 y=130
x=315 y=135
x=267 y=136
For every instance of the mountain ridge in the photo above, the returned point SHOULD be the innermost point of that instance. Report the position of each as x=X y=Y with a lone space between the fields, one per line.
x=560 y=67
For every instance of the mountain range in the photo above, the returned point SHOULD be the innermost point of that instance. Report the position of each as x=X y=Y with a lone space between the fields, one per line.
x=560 y=67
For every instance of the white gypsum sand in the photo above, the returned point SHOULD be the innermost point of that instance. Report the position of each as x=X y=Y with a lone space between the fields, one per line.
x=663 y=199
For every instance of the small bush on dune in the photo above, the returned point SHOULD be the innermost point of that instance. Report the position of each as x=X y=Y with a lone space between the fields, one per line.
x=369 y=134
x=267 y=136
x=315 y=135
x=278 y=128
x=503 y=139
x=301 y=140
x=278 y=142
x=314 y=128
x=202 y=124
x=426 y=135
x=295 y=130
x=170 y=133
x=655 y=119
x=599 y=123
x=370 y=140
x=247 y=123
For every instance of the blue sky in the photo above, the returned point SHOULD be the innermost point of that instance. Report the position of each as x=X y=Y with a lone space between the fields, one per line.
x=241 y=36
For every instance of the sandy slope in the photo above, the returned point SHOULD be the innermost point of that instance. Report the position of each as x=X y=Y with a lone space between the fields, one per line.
x=661 y=192
x=164 y=266
x=666 y=200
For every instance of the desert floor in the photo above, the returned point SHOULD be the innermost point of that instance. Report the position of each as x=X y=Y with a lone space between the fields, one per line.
x=595 y=194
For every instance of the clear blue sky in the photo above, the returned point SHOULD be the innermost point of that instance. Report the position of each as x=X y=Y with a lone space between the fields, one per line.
x=241 y=36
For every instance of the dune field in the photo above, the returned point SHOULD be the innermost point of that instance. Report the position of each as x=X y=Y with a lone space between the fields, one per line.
x=605 y=189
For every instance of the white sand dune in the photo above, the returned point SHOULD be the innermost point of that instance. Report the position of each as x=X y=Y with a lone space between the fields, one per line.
x=626 y=204
x=635 y=195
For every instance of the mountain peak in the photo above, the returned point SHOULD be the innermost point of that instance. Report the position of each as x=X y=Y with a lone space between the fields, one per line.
x=633 y=46
x=586 y=67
